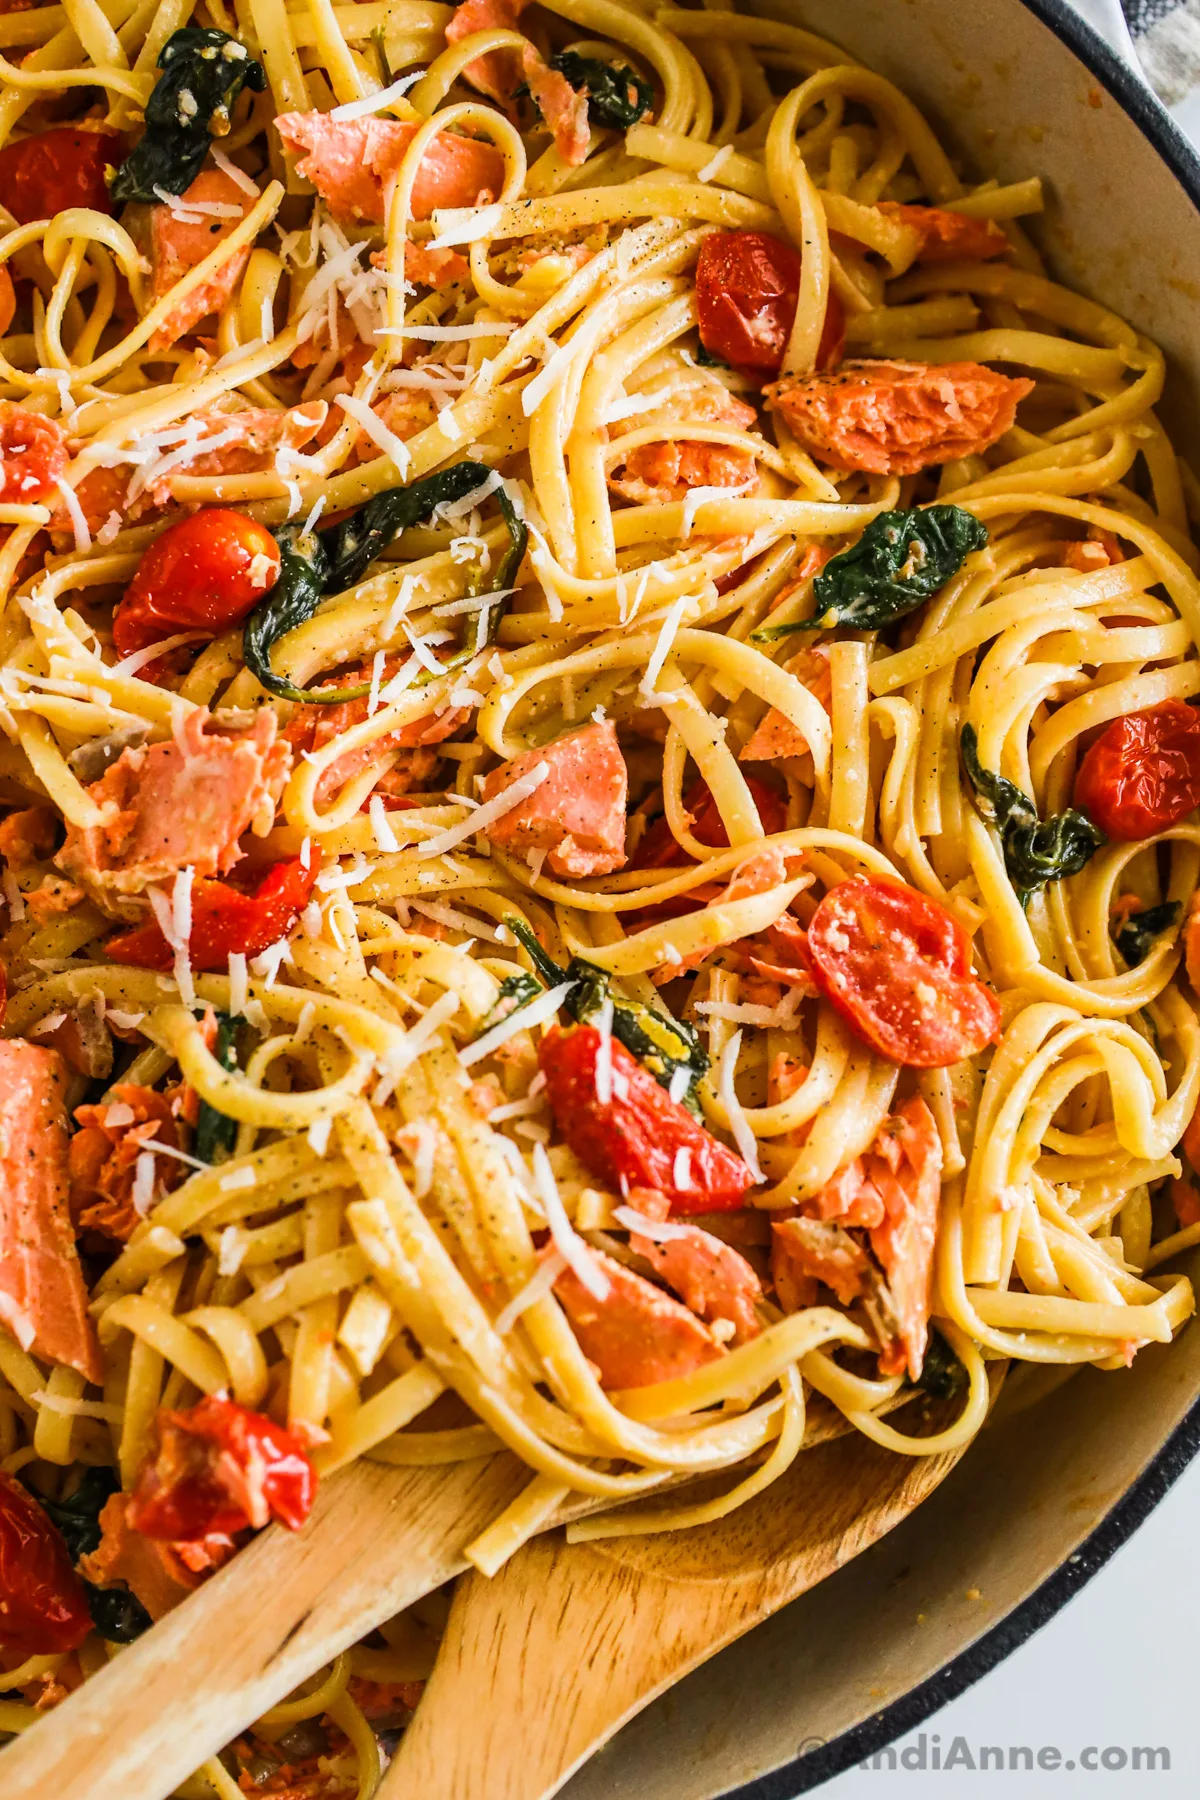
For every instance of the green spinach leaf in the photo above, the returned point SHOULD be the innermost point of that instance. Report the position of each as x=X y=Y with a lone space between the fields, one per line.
x=899 y=561
x=216 y=1133
x=1136 y=936
x=616 y=96
x=203 y=72
x=942 y=1375
x=116 y=1613
x=516 y=991
x=661 y=1044
x=312 y=566
x=1036 y=851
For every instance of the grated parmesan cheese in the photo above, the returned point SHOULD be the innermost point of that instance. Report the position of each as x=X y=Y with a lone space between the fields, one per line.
x=318 y=1136
x=604 y=1060
x=535 y=1289
x=380 y=434
x=83 y=537
x=142 y=1193
x=660 y=1231
x=239 y=176
x=715 y=163
x=523 y=1018
x=567 y=1240
x=662 y=646
x=487 y=814
x=464 y=225
x=739 y=1125
x=239 y=986
x=376 y=103
x=385 y=837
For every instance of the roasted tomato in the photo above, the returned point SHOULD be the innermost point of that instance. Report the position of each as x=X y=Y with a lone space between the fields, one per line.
x=633 y=1138
x=33 y=453
x=204 y=574
x=43 y=1603
x=1142 y=774
x=747 y=286
x=218 y=1467
x=44 y=174
x=897 y=966
x=227 y=921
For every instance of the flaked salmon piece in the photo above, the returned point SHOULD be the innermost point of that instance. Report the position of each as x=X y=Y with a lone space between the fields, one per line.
x=381 y=1699
x=103 y=1157
x=906 y=1160
x=435 y=268
x=636 y=1335
x=43 y=1301
x=654 y=474
x=176 y=247
x=786 y=1075
x=564 y=108
x=577 y=815
x=27 y=837
x=498 y=73
x=948 y=236
x=102 y=495
x=713 y=1280
x=775 y=736
x=1098 y=550
x=182 y=804
x=83 y=1038
x=807 y=1251
x=310 y=728
x=758 y=874
x=404 y=411
x=897 y=418
x=152 y=1571
x=246 y=442
x=352 y=162
x=33 y=454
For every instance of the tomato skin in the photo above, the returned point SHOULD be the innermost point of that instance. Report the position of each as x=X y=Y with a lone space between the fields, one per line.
x=631 y=1139
x=43 y=1604
x=196 y=577
x=1142 y=775
x=44 y=174
x=218 y=1467
x=33 y=453
x=747 y=287
x=659 y=849
x=897 y=967
x=225 y=920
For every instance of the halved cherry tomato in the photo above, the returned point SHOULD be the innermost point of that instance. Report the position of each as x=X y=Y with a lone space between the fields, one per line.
x=1142 y=775
x=204 y=574
x=8 y=300
x=33 y=453
x=897 y=966
x=747 y=286
x=218 y=1467
x=632 y=1139
x=44 y=174
x=43 y=1603
x=225 y=920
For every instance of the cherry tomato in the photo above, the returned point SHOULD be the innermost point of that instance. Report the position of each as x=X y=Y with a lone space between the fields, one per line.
x=43 y=1603
x=632 y=1139
x=659 y=849
x=8 y=300
x=1142 y=774
x=897 y=966
x=747 y=285
x=206 y=573
x=45 y=174
x=33 y=453
x=218 y=1467
x=225 y=920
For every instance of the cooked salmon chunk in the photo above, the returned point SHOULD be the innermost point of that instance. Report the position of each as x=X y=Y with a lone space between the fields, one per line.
x=897 y=418
x=177 y=245
x=182 y=804
x=564 y=109
x=805 y=1252
x=42 y=1297
x=907 y=1171
x=713 y=1280
x=310 y=728
x=352 y=162
x=948 y=236
x=498 y=73
x=159 y=1574
x=636 y=1335
x=577 y=815
x=775 y=735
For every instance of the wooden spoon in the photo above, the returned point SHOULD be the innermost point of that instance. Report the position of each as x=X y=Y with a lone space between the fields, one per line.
x=378 y=1539
x=543 y=1662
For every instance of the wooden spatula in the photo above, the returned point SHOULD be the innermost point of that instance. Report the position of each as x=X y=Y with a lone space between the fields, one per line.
x=378 y=1539
x=542 y=1663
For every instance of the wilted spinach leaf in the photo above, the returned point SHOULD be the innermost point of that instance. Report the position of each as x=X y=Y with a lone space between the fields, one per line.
x=116 y=1613
x=707 y=359
x=216 y=1133
x=899 y=561
x=516 y=991
x=1136 y=936
x=662 y=1045
x=313 y=565
x=1036 y=851
x=942 y=1375
x=203 y=72
x=615 y=95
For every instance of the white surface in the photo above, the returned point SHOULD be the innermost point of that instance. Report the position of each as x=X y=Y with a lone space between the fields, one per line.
x=1115 y=1669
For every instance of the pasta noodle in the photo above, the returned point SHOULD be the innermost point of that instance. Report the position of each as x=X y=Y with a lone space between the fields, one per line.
x=648 y=509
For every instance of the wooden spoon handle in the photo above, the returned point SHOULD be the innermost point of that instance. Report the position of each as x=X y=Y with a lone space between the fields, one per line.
x=544 y=1662
x=377 y=1540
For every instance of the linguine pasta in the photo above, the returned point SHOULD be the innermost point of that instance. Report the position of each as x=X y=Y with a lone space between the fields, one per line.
x=379 y=1254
